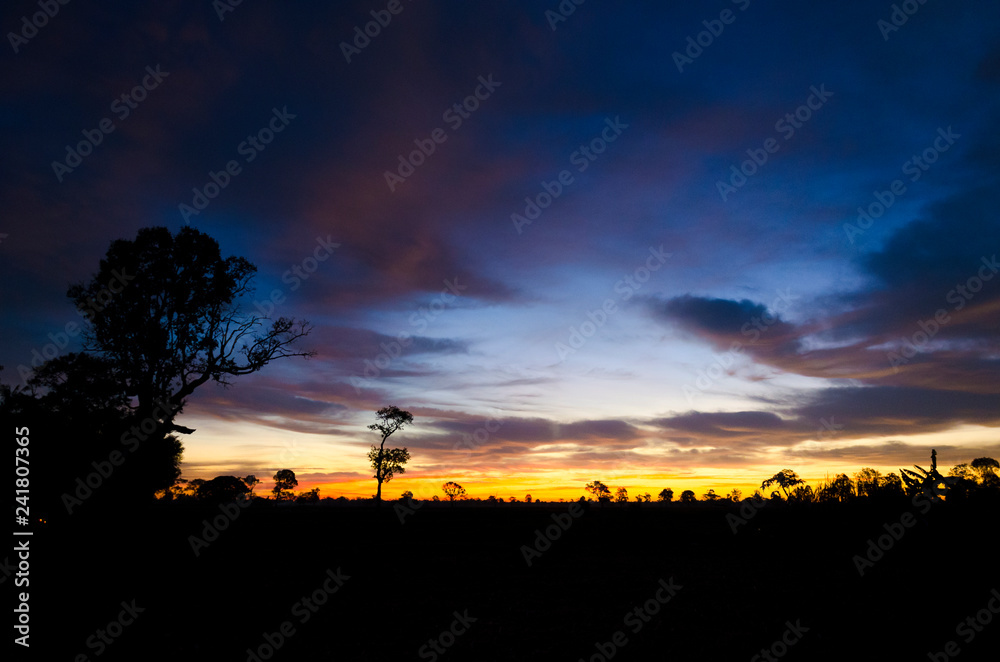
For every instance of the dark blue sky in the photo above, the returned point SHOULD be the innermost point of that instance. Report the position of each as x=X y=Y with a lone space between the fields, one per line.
x=593 y=334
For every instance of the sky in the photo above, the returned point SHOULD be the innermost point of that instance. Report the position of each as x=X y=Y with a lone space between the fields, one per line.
x=677 y=245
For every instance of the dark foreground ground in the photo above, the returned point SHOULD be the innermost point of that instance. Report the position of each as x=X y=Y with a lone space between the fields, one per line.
x=738 y=592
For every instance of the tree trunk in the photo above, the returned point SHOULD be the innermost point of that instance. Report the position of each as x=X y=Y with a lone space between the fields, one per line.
x=378 y=474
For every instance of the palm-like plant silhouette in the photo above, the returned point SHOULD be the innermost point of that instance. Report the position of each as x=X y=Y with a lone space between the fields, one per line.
x=931 y=483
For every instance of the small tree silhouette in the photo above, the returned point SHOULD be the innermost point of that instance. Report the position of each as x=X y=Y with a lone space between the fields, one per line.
x=222 y=489
x=310 y=496
x=665 y=495
x=284 y=483
x=785 y=479
x=453 y=490
x=687 y=496
x=251 y=482
x=839 y=489
x=867 y=482
x=621 y=495
x=986 y=468
x=599 y=490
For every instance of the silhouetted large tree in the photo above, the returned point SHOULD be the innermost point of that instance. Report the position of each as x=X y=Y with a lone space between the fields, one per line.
x=164 y=318
x=387 y=462
x=164 y=310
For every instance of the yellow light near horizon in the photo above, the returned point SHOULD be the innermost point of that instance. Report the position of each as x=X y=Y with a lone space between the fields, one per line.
x=219 y=442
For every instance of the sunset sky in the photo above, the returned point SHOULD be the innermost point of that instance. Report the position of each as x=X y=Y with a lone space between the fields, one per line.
x=590 y=337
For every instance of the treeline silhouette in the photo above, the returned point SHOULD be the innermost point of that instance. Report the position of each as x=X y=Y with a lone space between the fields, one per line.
x=162 y=316
x=977 y=479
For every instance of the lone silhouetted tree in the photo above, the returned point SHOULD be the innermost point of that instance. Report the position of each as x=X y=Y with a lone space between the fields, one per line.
x=284 y=483
x=621 y=495
x=687 y=496
x=665 y=495
x=453 y=490
x=387 y=462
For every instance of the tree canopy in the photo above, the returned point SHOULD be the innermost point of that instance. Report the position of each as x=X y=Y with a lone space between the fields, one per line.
x=173 y=319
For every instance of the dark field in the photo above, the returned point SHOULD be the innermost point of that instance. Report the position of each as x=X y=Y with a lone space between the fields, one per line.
x=737 y=594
